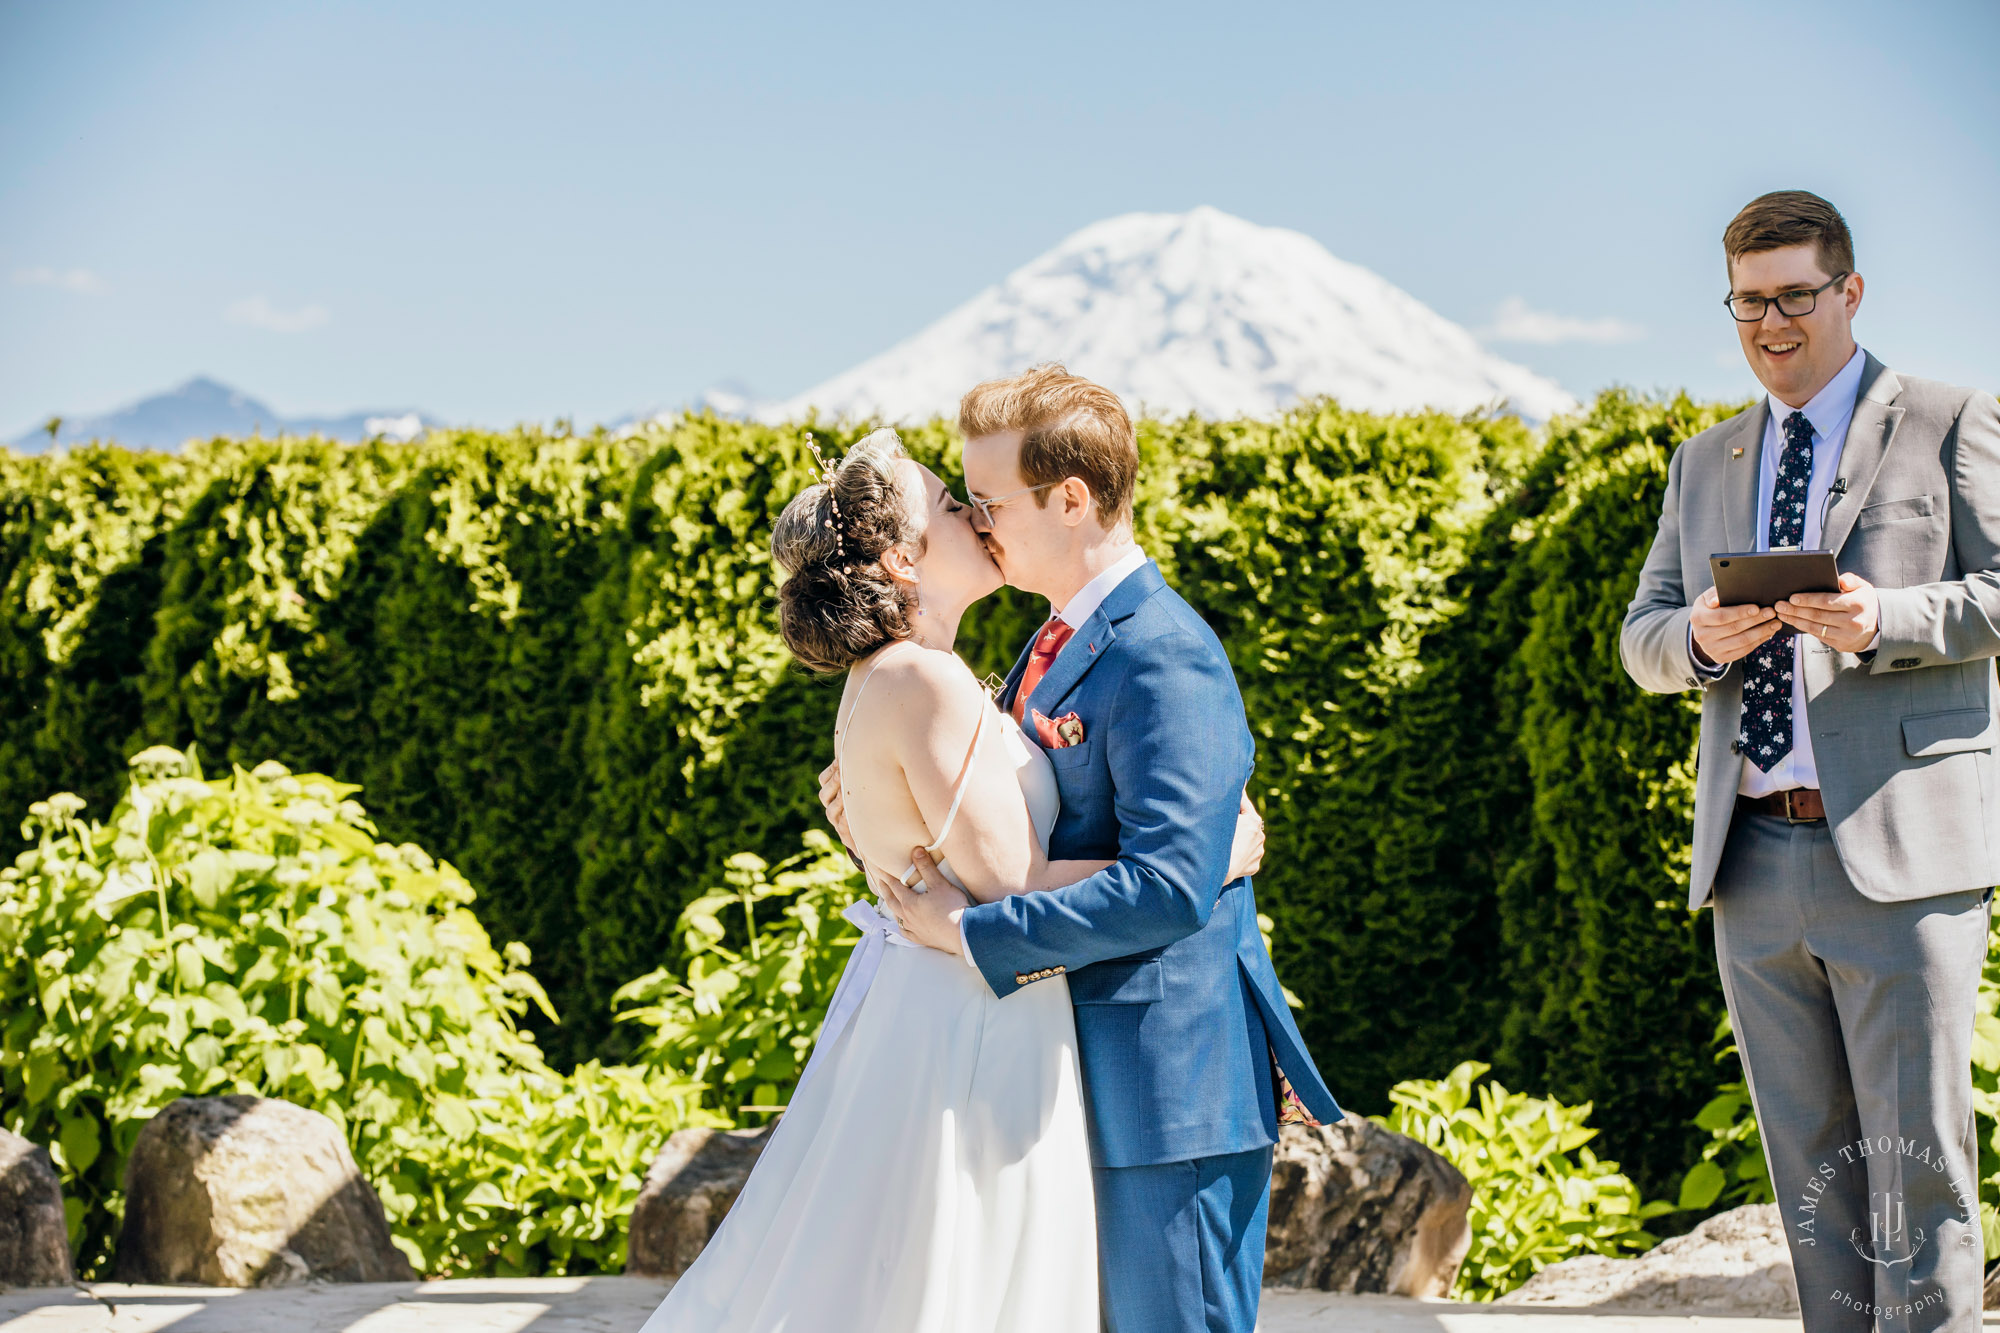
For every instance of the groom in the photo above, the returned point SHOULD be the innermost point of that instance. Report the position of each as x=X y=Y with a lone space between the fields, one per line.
x=1180 y=1021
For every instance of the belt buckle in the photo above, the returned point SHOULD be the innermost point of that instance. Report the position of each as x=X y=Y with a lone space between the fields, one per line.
x=1791 y=818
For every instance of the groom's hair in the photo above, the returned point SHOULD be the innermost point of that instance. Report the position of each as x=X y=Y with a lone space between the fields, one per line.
x=1785 y=218
x=1069 y=427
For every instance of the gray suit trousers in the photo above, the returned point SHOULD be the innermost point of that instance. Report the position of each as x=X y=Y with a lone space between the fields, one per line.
x=1854 y=1019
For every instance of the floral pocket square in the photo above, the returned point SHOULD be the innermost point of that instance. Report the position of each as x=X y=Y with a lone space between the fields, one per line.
x=1059 y=734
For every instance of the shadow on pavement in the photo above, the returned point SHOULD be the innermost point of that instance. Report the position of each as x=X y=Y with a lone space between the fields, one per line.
x=622 y=1304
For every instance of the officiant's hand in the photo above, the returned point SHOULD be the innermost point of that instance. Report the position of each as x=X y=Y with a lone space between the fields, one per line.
x=928 y=916
x=1844 y=621
x=836 y=808
x=1722 y=634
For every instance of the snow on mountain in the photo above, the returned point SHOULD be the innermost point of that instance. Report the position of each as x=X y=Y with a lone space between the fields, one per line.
x=1197 y=311
x=203 y=408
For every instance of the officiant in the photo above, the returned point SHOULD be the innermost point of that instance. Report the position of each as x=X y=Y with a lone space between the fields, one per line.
x=1847 y=795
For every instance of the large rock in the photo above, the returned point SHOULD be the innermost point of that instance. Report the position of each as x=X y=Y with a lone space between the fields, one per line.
x=245 y=1192
x=34 y=1239
x=689 y=1190
x=1735 y=1263
x=1358 y=1208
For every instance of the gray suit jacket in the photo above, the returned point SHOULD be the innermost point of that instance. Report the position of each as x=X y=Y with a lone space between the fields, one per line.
x=1904 y=737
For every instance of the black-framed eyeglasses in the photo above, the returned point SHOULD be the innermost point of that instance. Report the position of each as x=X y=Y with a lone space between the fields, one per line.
x=1793 y=304
x=984 y=507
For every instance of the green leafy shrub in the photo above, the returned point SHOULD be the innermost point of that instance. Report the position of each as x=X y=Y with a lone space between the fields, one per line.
x=740 y=1022
x=1986 y=1093
x=1539 y=1195
x=251 y=935
x=1732 y=1171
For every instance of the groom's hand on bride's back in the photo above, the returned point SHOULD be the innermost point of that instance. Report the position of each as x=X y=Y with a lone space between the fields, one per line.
x=836 y=809
x=927 y=915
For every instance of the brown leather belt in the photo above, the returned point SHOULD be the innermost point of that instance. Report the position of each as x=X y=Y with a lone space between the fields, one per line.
x=1800 y=805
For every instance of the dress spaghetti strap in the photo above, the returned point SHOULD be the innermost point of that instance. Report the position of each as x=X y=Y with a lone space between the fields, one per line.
x=964 y=779
x=911 y=876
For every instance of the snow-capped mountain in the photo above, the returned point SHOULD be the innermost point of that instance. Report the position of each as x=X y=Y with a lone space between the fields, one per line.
x=1197 y=311
x=202 y=408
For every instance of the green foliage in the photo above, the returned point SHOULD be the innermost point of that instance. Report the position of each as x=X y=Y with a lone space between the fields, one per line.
x=741 y=1022
x=554 y=660
x=1539 y=1195
x=1732 y=1171
x=1986 y=1093
x=251 y=935
x=1329 y=551
x=1613 y=994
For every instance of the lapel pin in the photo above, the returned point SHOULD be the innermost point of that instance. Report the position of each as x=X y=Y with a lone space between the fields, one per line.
x=1737 y=452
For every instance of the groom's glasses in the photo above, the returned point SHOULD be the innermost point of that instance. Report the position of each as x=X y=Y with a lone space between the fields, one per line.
x=986 y=507
x=1792 y=305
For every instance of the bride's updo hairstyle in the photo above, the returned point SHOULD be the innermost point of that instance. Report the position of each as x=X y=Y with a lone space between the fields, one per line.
x=837 y=604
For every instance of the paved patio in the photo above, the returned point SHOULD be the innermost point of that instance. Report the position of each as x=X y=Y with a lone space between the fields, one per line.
x=621 y=1304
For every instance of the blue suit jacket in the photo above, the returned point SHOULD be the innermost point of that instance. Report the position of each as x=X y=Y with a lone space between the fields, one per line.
x=1176 y=1000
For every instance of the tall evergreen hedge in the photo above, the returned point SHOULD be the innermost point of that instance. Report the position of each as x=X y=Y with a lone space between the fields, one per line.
x=553 y=660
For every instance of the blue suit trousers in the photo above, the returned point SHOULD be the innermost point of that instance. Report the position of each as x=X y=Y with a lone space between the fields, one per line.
x=1186 y=1240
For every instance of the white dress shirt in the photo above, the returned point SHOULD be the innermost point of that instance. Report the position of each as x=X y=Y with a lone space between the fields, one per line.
x=1079 y=609
x=1829 y=412
x=1092 y=594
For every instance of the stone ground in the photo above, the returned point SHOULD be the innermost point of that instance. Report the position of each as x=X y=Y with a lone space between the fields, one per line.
x=621 y=1304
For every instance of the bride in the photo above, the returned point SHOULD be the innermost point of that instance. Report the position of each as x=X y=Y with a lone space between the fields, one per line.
x=932 y=1172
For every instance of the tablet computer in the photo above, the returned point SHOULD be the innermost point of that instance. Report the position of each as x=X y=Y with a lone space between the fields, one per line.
x=1764 y=578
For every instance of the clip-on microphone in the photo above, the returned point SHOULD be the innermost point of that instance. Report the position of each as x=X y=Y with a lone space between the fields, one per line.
x=1833 y=494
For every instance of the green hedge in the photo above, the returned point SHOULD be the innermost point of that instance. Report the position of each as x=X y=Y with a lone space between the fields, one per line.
x=553 y=660
x=250 y=935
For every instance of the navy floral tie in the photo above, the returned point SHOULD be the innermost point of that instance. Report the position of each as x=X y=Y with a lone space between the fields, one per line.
x=1767 y=673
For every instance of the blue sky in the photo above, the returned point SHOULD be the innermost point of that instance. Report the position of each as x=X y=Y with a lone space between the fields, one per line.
x=501 y=212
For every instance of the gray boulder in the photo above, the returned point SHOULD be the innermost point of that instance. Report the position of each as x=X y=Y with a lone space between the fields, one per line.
x=1735 y=1263
x=688 y=1191
x=1358 y=1208
x=247 y=1192
x=34 y=1238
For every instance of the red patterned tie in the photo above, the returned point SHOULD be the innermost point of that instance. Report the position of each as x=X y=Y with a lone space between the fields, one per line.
x=1048 y=643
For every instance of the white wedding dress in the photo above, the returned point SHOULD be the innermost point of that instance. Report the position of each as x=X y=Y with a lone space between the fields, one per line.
x=932 y=1173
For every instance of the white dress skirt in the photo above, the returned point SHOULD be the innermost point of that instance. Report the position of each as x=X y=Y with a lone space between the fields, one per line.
x=932 y=1172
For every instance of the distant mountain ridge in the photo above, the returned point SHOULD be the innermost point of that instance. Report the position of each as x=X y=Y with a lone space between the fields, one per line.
x=1197 y=311
x=203 y=408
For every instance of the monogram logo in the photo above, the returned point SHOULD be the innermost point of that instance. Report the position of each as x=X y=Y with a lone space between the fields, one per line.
x=1891 y=1240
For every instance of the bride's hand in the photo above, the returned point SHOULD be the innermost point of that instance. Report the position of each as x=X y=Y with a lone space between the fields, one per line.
x=836 y=809
x=1246 y=853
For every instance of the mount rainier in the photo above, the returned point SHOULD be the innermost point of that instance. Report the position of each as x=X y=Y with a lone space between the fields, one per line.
x=1197 y=311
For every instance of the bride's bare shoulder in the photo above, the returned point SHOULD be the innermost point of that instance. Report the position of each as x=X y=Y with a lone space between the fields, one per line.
x=930 y=679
